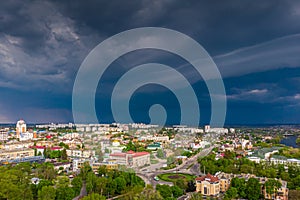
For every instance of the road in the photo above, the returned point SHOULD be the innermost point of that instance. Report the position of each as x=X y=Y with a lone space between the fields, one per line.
x=148 y=173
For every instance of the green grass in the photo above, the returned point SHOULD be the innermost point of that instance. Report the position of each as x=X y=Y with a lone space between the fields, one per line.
x=172 y=177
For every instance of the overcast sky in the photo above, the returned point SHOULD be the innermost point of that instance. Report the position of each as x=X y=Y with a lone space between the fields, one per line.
x=255 y=45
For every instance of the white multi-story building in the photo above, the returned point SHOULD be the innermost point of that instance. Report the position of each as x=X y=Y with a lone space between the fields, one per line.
x=70 y=136
x=182 y=128
x=25 y=136
x=3 y=136
x=155 y=138
x=76 y=153
x=208 y=129
x=20 y=127
x=78 y=163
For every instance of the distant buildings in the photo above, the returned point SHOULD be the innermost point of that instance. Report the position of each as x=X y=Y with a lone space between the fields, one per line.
x=55 y=126
x=269 y=155
x=154 y=138
x=181 y=128
x=208 y=129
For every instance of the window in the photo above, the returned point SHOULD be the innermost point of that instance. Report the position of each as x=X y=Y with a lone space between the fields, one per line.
x=205 y=190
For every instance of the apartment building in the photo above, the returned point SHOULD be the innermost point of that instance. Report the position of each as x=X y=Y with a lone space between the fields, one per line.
x=15 y=154
x=76 y=153
x=281 y=194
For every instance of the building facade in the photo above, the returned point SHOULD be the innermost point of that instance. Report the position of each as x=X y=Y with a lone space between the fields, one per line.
x=20 y=127
x=208 y=185
x=131 y=159
x=6 y=155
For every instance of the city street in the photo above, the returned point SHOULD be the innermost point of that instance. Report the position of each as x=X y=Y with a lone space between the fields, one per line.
x=148 y=173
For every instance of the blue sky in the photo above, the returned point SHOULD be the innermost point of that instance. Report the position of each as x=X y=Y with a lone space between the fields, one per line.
x=255 y=45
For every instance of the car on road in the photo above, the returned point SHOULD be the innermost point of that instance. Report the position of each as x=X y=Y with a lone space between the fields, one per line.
x=156 y=178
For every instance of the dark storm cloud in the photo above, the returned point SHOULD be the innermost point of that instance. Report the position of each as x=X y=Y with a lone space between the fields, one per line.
x=218 y=25
x=42 y=43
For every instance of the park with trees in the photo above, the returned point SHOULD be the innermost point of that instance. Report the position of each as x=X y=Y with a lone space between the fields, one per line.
x=16 y=183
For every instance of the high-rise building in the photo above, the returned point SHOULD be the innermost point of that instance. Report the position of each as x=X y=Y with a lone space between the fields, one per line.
x=20 y=127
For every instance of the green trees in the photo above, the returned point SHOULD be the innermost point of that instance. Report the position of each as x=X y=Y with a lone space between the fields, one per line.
x=45 y=171
x=272 y=186
x=120 y=183
x=76 y=184
x=64 y=155
x=231 y=193
x=84 y=170
x=168 y=192
x=148 y=193
x=94 y=196
x=242 y=189
x=63 y=191
x=130 y=146
x=240 y=185
x=160 y=154
x=15 y=183
x=109 y=182
x=244 y=165
x=61 y=144
x=164 y=190
x=176 y=191
x=196 y=196
x=47 y=193
x=253 y=186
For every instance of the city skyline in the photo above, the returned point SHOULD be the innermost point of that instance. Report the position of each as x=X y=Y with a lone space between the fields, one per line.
x=255 y=46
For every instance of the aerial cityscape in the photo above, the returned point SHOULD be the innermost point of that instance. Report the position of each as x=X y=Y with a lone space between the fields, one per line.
x=149 y=100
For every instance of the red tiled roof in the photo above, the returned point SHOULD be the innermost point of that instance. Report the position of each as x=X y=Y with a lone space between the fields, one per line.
x=37 y=147
x=137 y=154
x=118 y=154
x=55 y=148
x=210 y=178
x=134 y=154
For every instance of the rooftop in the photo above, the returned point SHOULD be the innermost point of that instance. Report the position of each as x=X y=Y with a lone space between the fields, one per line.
x=210 y=178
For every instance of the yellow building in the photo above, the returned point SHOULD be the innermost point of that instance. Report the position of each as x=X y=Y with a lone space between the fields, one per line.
x=281 y=194
x=111 y=164
x=208 y=185
x=16 y=153
x=224 y=184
